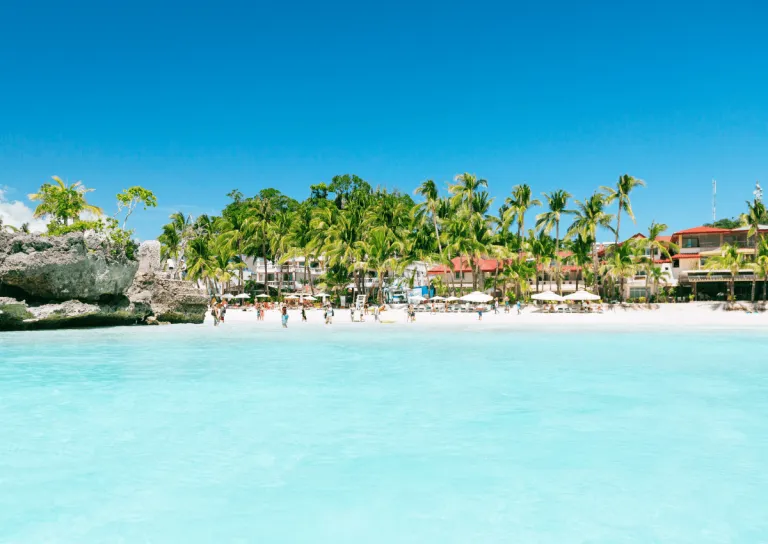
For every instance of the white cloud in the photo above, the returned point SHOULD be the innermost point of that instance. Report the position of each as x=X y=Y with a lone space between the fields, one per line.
x=16 y=213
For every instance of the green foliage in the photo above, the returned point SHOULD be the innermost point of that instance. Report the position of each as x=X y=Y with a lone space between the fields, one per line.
x=62 y=202
x=724 y=223
x=132 y=197
x=120 y=240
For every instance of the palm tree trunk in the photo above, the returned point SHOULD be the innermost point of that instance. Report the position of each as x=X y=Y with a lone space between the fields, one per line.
x=764 y=282
x=618 y=224
x=754 y=287
x=264 y=254
x=557 y=258
x=596 y=270
x=380 y=295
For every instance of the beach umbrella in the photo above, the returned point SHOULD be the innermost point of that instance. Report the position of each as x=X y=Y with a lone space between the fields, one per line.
x=417 y=299
x=437 y=298
x=291 y=297
x=227 y=296
x=452 y=299
x=323 y=295
x=309 y=297
x=548 y=296
x=582 y=295
x=242 y=295
x=476 y=296
x=262 y=296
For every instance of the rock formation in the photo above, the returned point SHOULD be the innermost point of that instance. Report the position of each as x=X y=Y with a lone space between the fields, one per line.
x=78 y=280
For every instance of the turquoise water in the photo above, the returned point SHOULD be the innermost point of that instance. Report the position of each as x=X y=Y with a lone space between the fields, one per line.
x=250 y=433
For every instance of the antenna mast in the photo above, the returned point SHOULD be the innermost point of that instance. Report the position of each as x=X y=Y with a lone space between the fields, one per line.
x=714 y=200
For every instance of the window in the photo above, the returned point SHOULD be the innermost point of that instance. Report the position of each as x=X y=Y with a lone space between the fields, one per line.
x=690 y=242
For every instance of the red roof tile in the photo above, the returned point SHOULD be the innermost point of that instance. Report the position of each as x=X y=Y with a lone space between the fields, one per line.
x=701 y=230
x=686 y=256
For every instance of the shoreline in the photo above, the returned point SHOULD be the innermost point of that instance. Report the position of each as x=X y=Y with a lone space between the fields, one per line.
x=688 y=316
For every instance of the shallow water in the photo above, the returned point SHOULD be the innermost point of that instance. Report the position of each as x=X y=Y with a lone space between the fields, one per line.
x=250 y=433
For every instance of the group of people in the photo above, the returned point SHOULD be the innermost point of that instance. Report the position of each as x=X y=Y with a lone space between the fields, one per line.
x=218 y=311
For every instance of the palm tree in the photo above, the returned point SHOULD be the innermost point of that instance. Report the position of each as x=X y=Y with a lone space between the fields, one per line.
x=620 y=193
x=542 y=250
x=233 y=235
x=591 y=215
x=654 y=246
x=63 y=202
x=729 y=259
x=379 y=250
x=581 y=249
x=201 y=262
x=301 y=239
x=755 y=215
x=621 y=264
x=520 y=203
x=656 y=275
x=431 y=204
x=557 y=202
x=465 y=187
x=257 y=229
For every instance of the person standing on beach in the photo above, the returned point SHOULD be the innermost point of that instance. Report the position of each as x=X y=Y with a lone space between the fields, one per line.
x=284 y=316
x=215 y=315
x=519 y=307
x=223 y=311
x=495 y=306
x=303 y=314
x=479 y=313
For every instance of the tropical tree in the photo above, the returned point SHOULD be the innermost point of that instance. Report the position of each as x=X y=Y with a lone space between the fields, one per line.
x=466 y=186
x=622 y=263
x=656 y=275
x=730 y=260
x=620 y=193
x=557 y=201
x=520 y=202
x=132 y=197
x=589 y=216
x=379 y=250
x=581 y=253
x=63 y=202
x=754 y=218
x=201 y=262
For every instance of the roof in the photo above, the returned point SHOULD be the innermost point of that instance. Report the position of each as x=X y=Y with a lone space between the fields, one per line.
x=702 y=230
x=664 y=238
x=685 y=256
x=746 y=228
x=461 y=264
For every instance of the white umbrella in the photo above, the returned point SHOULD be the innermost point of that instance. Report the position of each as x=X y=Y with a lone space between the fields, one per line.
x=242 y=295
x=452 y=299
x=548 y=296
x=323 y=295
x=227 y=296
x=262 y=296
x=476 y=296
x=582 y=295
x=291 y=296
x=437 y=298
x=309 y=297
x=417 y=298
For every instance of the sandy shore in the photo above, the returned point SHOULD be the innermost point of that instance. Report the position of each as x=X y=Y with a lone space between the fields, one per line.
x=663 y=317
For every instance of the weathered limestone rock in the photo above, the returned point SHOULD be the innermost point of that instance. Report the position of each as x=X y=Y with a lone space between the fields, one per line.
x=76 y=281
x=74 y=266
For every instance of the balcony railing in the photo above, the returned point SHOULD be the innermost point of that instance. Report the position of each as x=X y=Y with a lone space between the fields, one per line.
x=718 y=276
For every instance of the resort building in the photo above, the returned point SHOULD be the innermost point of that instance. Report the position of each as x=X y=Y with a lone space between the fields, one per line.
x=700 y=243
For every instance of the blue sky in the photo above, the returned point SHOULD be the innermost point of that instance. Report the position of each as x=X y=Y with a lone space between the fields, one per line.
x=192 y=100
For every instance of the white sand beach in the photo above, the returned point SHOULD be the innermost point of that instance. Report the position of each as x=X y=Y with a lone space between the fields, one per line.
x=666 y=317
